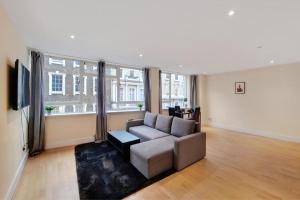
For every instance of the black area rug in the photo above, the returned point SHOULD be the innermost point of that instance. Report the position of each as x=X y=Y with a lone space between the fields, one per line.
x=102 y=173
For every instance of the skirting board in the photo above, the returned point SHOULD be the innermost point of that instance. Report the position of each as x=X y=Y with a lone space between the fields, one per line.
x=267 y=134
x=13 y=186
x=69 y=142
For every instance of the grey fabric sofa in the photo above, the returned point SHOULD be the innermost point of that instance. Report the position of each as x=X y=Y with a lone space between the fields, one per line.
x=166 y=142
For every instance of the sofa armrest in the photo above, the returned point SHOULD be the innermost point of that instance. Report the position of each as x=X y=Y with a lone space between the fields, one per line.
x=189 y=149
x=136 y=122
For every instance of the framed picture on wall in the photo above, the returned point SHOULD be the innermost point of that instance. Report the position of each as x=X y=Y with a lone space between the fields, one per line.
x=240 y=87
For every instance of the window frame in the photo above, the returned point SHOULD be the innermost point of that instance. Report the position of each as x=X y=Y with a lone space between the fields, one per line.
x=54 y=61
x=84 y=85
x=94 y=85
x=72 y=70
x=76 y=64
x=74 y=85
x=119 y=79
x=50 y=74
x=176 y=77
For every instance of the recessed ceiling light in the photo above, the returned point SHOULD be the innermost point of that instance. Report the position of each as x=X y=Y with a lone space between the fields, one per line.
x=181 y=66
x=231 y=12
x=141 y=55
x=272 y=61
x=72 y=37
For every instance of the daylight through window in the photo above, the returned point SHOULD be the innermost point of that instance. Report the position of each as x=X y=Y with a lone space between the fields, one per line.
x=71 y=86
x=174 y=90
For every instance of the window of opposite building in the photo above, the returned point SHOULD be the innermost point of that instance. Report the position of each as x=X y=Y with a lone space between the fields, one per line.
x=173 y=90
x=69 y=84
x=73 y=87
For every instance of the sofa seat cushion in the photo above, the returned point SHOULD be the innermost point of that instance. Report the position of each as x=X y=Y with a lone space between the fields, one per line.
x=153 y=157
x=163 y=123
x=181 y=127
x=150 y=119
x=146 y=133
x=147 y=149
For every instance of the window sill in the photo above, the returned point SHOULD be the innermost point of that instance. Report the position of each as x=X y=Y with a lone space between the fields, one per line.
x=69 y=114
x=123 y=111
x=91 y=113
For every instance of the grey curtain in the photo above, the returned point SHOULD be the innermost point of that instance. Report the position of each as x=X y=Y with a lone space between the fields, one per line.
x=160 y=92
x=194 y=91
x=147 y=90
x=101 y=121
x=36 y=127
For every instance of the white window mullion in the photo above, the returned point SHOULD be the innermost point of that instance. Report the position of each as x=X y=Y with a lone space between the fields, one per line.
x=118 y=87
x=64 y=84
x=85 y=85
x=50 y=83
x=94 y=107
x=74 y=82
x=94 y=85
x=84 y=106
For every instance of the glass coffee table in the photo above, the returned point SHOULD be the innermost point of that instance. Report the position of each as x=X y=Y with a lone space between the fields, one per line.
x=122 y=140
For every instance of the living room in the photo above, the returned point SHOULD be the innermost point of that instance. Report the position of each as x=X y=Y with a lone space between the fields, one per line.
x=149 y=100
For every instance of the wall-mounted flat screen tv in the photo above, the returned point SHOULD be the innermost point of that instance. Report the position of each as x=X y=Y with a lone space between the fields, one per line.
x=20 y=86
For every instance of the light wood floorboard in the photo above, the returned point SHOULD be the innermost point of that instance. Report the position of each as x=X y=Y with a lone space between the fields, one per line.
x=237 y=166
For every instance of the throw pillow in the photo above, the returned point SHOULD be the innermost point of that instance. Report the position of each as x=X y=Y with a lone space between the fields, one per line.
x=150 y=119
x=182 y=127
x=163 y=123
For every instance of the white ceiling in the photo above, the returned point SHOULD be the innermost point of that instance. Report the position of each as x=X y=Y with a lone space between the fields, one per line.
x=197 y=34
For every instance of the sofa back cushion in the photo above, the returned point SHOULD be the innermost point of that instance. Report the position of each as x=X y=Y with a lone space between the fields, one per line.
x=181 y=127
x=163 y=123
x=150 y=119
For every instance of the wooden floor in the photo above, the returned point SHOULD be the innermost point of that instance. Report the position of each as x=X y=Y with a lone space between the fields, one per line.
x=237 y=166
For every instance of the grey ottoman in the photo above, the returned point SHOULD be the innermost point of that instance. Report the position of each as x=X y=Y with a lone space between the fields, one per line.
x=153 y=157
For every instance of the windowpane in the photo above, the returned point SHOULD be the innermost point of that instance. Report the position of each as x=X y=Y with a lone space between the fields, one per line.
x=57 y=83
x=70 y=88
x=131 y=74
x=76 y=85
x=112 y=93
x=165 y=85
x=57 y=61
x=73 y=88
x=110 y=71
x=95 y=85
x=76 y=63
x=126 y=90
x=174 y=90
x=141 y=94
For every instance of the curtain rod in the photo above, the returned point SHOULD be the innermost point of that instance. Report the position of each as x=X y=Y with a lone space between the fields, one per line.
x=86 y=59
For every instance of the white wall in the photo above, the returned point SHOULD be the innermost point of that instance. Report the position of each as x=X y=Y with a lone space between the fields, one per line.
x=11 y=142
x=270 y=106
x=202 y=97
x=76 y=129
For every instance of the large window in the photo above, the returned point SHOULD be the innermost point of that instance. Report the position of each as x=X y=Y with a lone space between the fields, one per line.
x=71 y=86
x=124 y=88
x=174 y=90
